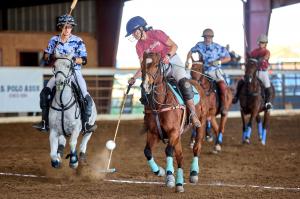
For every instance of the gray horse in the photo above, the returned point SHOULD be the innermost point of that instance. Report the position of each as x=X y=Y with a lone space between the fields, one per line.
x=65 y=115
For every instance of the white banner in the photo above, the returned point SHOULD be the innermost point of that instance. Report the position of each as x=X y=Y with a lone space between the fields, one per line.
x=20 y=89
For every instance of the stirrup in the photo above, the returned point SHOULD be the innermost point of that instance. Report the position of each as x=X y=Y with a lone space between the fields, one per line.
x=41 y=126
x=89 y=128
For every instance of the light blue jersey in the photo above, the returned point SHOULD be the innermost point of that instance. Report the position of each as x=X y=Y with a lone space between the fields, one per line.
x=74 y=45
x=210 y=53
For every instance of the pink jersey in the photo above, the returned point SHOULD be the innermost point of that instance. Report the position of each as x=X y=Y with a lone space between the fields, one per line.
x=155 y=42
x=259 y=53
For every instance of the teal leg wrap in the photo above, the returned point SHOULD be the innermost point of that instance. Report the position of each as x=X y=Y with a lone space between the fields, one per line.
x=170 y=164
x=195 y=165
x=179 y=176
x=153 y=165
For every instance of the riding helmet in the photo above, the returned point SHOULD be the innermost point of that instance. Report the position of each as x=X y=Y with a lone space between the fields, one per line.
x=62 y=20
x=208 y=32
x=134 y=23
x=262 y=38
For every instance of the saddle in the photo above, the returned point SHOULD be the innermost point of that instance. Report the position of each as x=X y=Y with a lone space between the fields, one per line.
x=172 y=83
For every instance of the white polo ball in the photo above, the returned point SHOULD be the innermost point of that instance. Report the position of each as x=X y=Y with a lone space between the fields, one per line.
x=110 y=145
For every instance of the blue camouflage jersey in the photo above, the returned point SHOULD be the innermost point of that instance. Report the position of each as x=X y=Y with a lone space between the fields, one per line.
x=210 y=53
x=74 y=45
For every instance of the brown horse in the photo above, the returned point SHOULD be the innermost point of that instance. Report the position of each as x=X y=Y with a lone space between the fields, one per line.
x=165 y=119
x=252 y=102
x=209 y=86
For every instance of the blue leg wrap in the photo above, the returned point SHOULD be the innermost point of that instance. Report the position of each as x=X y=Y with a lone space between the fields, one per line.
x=248 y=132
x=260 y=130
x=179 y=176
x=195 y=165
x=220 y=138
x=170 y=166
x=264 y=136
x=244 y=135
x=193 y=133
x=153 y=165
x=208 y=125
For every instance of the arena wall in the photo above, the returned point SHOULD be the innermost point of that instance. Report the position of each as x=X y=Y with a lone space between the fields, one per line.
x=12 y=43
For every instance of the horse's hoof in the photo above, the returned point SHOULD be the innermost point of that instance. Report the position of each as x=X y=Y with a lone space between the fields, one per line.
x=170 y=181
x=263 y=143
x=209 y=138
x=194 y=177
x=73 y=165
x=161 y=172
x=218 y=148
x=192 y=144
x=179 y=188
x=60 y=150
x=247 y=141
x=82 y=158
x=73 y=160
x=55 y=163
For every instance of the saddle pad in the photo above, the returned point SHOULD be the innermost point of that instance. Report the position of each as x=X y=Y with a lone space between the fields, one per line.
x=177 y=94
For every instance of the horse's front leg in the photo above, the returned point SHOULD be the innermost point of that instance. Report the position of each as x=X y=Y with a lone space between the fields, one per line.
x=170 y=179
x=152 y=139
x=73 y=153
x=179 y=159
x=222 y=128
x=259 y=127
x=265 y=127
x=83 y=146
x=194 y=170
x=55 y=158
x=248 y=130
x=244 y=125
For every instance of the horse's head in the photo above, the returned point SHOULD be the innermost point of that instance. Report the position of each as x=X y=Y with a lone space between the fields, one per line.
x=197 y=65
x=62 y=70
x=151 y=73
x=250 y=69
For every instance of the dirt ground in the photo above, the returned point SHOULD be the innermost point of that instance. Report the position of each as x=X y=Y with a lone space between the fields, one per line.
x=234 y=173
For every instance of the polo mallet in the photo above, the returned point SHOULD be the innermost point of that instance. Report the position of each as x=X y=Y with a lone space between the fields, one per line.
x=111 y=170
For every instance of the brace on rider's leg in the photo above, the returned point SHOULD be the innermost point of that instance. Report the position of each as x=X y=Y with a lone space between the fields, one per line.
x=187 y=93
x=45 y=99
x=223 y=91
x=86 y=114
x=268 y=94
x=88 y=104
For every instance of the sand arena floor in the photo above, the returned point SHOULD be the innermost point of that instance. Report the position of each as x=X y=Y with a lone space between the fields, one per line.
x=240 y=171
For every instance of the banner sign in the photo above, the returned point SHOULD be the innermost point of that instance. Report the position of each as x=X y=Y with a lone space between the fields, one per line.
x=20 y=89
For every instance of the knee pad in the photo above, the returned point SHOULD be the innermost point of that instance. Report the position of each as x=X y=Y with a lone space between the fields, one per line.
x=88 y=105
x=186 y=89
x=45 y=97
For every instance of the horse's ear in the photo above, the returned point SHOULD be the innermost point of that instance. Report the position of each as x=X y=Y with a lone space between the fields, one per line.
x=248 y=55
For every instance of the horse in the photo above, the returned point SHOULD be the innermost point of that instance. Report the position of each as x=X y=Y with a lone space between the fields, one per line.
x=209 y=86
x=252 y=102
x=165 y=120
x=65 y=115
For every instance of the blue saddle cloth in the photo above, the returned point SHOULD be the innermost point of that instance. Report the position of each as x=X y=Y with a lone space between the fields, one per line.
x=178 y=95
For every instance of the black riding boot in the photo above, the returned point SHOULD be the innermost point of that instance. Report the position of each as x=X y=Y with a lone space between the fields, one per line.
x=45 y=99
x=268 y=94
x=238 y=90
x=187 y=93
x=86 y=113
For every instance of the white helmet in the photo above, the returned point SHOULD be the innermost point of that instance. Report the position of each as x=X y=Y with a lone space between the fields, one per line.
x=262 y=38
